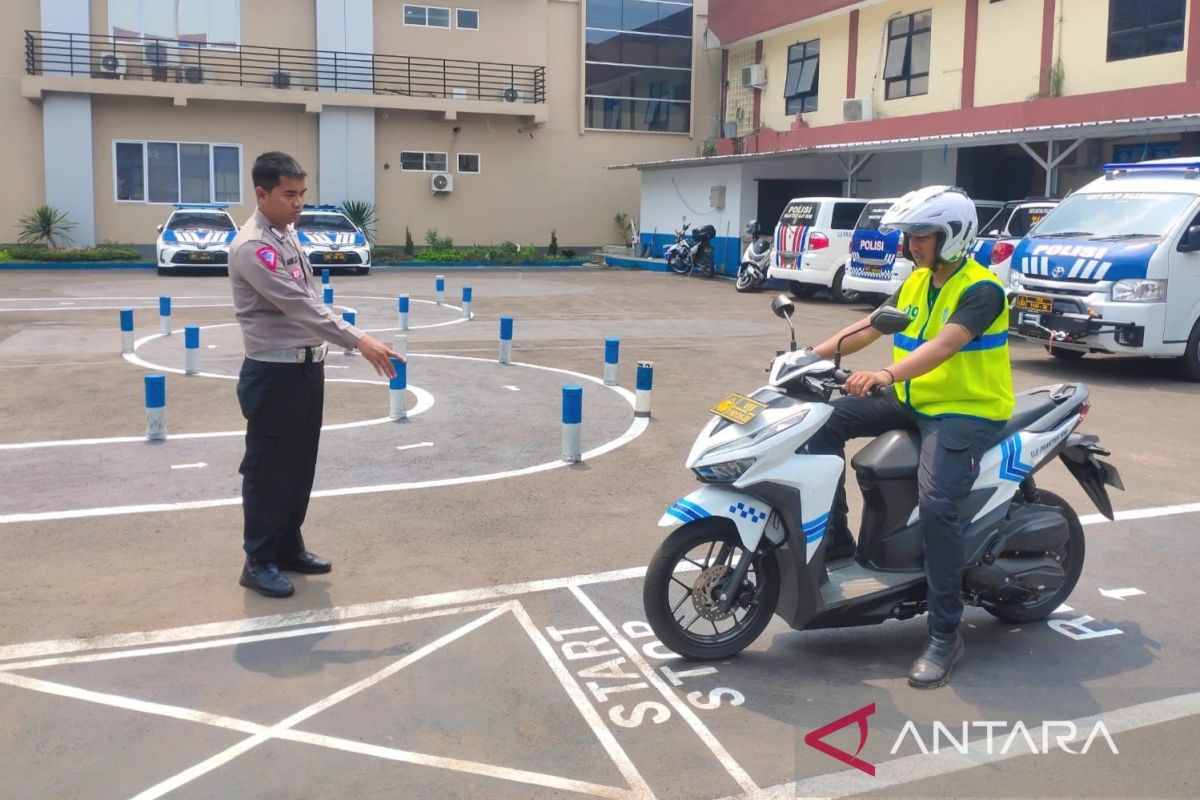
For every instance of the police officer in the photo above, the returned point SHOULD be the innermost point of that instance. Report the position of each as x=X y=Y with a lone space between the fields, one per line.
x=281 y=385
x=952 y=383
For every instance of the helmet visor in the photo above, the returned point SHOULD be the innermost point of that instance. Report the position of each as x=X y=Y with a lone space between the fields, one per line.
x=912 y=228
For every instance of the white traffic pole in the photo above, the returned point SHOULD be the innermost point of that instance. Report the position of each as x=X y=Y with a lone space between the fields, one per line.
x=466 y=302
x=398 y=391
x=191 y=349
x=572 y=417
x=402 y=310
x=126 y=330
x=645 y=382
x=156 y=408
x=440 y=288
x=612 y=349
x=164 y=315
x=506 y=335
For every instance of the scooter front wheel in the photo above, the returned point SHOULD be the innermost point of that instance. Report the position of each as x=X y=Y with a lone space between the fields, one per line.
x=746 y=279
x=684 y=583
x=678 y=265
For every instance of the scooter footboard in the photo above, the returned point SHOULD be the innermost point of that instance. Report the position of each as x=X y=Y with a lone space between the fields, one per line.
x=750 y=515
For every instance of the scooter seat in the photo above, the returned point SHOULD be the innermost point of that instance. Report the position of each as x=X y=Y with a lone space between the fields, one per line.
x=1030 y=407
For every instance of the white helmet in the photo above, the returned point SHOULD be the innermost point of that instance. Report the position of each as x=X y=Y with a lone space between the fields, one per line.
x=945 y=210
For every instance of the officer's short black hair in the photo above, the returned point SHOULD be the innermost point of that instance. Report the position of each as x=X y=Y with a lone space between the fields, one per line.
x=270 y=167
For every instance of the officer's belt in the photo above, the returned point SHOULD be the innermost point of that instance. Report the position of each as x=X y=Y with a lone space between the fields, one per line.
x=291 y=355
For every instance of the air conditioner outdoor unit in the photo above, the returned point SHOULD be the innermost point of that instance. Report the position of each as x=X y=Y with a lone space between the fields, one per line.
x=193 y=74
x=511 y=95
x=157 y=53
x=112 y=66
x=754 y=76
x=857 y=109
x=281 y=80
x=442 y=182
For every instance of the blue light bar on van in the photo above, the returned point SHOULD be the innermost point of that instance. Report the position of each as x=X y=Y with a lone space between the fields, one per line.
x=218 y=206
x=325 y=207
x=1154 y=166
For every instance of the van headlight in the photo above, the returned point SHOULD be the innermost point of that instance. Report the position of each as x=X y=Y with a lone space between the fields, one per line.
x=1139 y=290
x=725 y=472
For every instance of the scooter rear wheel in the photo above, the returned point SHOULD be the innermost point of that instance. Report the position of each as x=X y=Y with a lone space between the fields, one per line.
x=678 y=265
x=1072 y=564
x=681 y=607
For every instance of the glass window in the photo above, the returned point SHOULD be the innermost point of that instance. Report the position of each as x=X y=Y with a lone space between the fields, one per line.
x=195 y=22
x=906 y=68
x=1139 y=28
x=802 y=213
x=466 y=19
x=642 y=16
x=131 y=176
x=615 y=47
x=609 y=80
x=325 y=222
x=801 y=81
x=872 y=215
x=162 y=166
x=439 y=17
x=436 y=162
x=194 y=174
x=412 y=161
x=191 y=220
x=628 y=114
x=227 y=174
x=1114 y=214
x=845 y=215
x=468 y=162
x=414 y=15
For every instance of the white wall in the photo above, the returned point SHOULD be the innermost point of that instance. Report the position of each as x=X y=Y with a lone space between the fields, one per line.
x=67 y=138
x=669 y=194
x=347 y=155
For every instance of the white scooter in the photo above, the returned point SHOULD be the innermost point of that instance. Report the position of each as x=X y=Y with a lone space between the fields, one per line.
x=756 y=259
x=750 y=541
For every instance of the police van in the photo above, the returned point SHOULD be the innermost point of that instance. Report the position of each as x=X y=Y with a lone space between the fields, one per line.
x=812 y=245
x=332 y=241
x=877 y=265
x=1115 y=268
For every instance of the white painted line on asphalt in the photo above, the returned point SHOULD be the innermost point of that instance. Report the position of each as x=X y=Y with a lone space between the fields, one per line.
x=735 y=770
x=611 y=746
x=412 y=446
x=921 y=766
x=212 y=347
x=1121 y=594
x=174 y=307
x=512 y=388
x=197 y=465
x=230 y=753
x=1142 y=513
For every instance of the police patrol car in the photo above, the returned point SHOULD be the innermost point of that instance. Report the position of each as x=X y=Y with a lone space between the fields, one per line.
x=877 y=266
x=196 y=235
x=1115 y=268
x=331 y=241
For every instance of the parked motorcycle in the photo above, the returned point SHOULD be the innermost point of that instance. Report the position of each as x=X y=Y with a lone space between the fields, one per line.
x=755 y=529
x=756 y=259
x=686 y=255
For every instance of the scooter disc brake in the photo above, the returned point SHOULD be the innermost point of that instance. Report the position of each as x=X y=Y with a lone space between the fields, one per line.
x=706 y=593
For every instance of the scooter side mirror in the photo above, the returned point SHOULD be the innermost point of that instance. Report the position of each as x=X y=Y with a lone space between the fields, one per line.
x=783 y=306
x=159 y=228
x=752 y=228
x=889 y=320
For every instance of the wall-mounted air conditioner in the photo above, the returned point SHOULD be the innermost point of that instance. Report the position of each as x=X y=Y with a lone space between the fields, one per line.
x=112 y=66
x=857 y=109
x=511 y=95
x=754 y=76
x=442 y=182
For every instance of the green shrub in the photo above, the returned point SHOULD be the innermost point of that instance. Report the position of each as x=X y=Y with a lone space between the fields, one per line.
x=409 y=249
x=436 y=242
x=45 y=224
x=89 y=254
x=4 y=256
x=552 y=250
x=440 y=254
x=362 y=213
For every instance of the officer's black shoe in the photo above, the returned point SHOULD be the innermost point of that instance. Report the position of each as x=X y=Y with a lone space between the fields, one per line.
x=307 y=563
x=933 y=667
x=265 y=578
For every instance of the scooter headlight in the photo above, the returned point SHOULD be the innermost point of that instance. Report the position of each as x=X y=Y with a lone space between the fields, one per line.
x=725 y=472
x=759 y=435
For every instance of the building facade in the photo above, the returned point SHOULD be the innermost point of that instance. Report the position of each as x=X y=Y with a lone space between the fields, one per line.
x=1007 y=98
x=116 y=109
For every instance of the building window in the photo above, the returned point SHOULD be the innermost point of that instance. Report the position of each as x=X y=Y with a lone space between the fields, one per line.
x=427 y=16
x=638 y=65
x=466 y=19
x=907 y=68
x=468 y=163
x=421 y=161
x=800 y=86
x=1139 y=28
x=177 y=172
x=1147 y=151
x=194 y=23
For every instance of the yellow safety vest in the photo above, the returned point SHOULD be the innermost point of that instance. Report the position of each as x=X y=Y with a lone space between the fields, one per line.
x=974 y=382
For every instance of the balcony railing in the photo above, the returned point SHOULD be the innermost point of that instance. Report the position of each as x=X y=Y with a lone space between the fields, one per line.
x=281 y=68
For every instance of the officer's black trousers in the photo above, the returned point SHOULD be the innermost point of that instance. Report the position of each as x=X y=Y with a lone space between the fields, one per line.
x=282 y=404
x=949 y=464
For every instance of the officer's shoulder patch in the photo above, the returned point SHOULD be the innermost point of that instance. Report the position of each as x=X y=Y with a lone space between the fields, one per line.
x=268 y=256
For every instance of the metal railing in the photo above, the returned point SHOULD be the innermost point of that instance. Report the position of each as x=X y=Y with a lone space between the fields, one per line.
x=283 y=68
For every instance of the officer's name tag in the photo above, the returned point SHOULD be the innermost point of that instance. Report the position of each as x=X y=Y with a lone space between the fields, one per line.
x=291 y=261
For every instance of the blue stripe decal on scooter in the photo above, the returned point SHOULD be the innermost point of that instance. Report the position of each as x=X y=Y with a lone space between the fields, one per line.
x=816 y=528
x=1011 y=467
x=692 y=507
x=679 y=515
x=682 y=512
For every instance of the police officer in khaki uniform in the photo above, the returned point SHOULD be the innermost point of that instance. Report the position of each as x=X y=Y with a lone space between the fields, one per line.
x=285 y=328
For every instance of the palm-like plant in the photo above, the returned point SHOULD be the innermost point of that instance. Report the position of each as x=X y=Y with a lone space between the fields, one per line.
x=45 y=224
x=362 y=214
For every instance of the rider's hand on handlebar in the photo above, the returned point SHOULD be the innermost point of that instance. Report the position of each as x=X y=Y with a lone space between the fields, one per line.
x=861 y=384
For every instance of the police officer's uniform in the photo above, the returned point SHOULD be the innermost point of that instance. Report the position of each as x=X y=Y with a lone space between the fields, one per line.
x=280 y=388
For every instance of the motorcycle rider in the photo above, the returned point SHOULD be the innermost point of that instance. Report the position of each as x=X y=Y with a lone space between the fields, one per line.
x=950 y=380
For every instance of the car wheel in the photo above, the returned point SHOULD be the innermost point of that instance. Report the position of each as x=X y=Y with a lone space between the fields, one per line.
x=802 y=289
x=1189 y=362
x=841 y=295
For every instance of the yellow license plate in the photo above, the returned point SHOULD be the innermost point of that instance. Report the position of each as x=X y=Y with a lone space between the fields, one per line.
x=738 y=409
x=874 y=269
x=200 y=257
x=1029 y=302
x=335 y=256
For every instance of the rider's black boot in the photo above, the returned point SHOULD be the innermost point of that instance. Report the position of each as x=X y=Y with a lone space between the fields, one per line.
x=933 y=667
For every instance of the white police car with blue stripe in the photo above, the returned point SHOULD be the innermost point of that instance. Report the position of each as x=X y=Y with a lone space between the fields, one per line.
x=755 y=530
x=332 y=241
x=195 y=236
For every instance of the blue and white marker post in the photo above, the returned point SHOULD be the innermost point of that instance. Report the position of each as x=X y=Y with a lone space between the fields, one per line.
x=156 y=408
x=506 y=333
x=191 y=349
x=327 y=296
x=572 y=416
x=402 y=310
x=164 y=315
x=466 y=302
x=612 y=351
x=439 y=285
x=126 y=330
x=645 y=382
x=400 y=344
x=324 y=277
x=398 y=391
x=351 y=318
